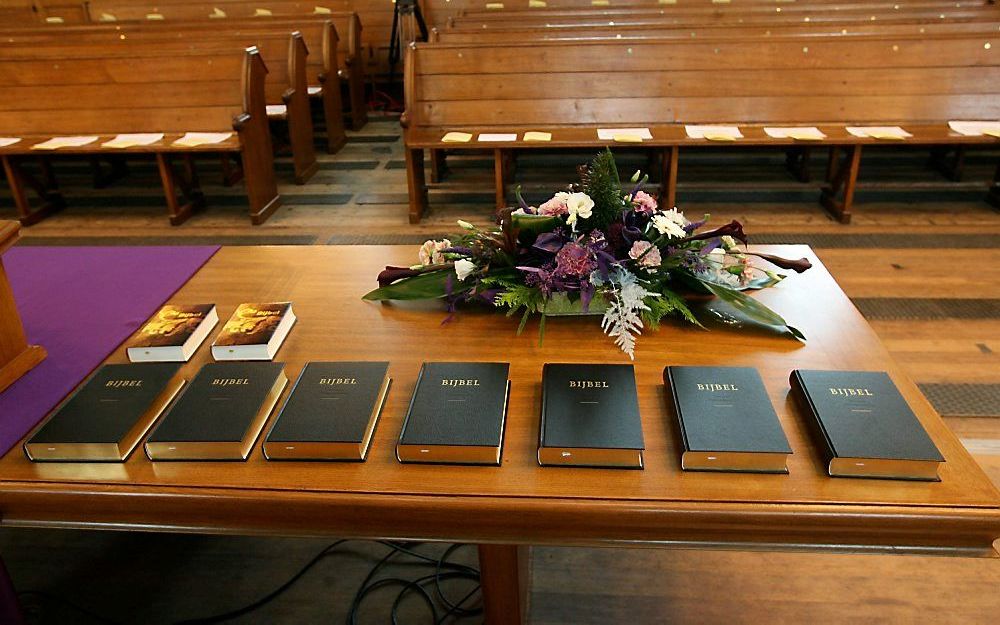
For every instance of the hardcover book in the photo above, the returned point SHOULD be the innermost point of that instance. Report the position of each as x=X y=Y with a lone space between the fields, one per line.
x=331 y=412
x=727 y=421
x=106 y=418
x=254 y=332
x=457 y=414
x=864 y=426
x=220 y=415
x=173 y=334
x=590 y=417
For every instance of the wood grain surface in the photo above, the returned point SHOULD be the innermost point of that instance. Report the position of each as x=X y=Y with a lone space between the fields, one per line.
x=521 y=502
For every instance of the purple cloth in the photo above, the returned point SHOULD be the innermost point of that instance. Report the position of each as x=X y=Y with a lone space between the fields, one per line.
x=80 y=303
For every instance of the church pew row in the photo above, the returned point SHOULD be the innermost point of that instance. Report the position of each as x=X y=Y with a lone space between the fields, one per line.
x=286 y=93
x=375 y=16
x=572 y=88
x=337 y=54
x=501 y=20
x=145 y=92
x=319 y=49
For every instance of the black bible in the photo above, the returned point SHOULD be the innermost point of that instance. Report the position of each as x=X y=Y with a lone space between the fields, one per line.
x=864 y=426
x=221 y=414
x=727 y=421
x=107 y=417
x=331 y=412
x=590 y=417
x=457 y=414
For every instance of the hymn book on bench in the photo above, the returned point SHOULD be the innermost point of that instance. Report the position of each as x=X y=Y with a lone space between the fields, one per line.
x=331 y=413
x=727 y=421
x=590 y=417
x=221 y=414
x=864 y=427
x=107 y=417
x=457 y=414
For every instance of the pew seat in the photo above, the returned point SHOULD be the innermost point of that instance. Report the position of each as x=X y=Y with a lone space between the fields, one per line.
x=146 y=92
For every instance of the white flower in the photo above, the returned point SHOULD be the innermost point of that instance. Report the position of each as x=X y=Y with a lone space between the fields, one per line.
x=729 y=243
x=430 y=251
x=464 y=267
x=465 y=225
x=667 y=226
x=676 y=216
x=579 y=205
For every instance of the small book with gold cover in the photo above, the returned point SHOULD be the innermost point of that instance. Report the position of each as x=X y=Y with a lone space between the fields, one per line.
x=106 y=418
x=331 y=412
x=173 y=334
x=254 y=332
x=221 y=414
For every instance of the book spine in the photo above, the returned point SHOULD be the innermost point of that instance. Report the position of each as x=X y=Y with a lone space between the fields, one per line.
x=409 y=408
x=668 y=374
x=805 y=403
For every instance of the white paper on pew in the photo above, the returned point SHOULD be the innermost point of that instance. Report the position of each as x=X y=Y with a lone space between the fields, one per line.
x=314 y=90
x=276 y=109
x=154 y=16
x=5 y=141
x=107 y=17
x=718 y=133
x=497 y=137
x=217 y=13
x=54 y=20
x=795 y=132
x=63 y=142
x=129 y=140
x=975 y=129
x=608 y=134
x=878 y=132
x=262 y=13
x=191 y=139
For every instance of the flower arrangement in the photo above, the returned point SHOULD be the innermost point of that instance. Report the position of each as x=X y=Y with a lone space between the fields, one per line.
x=596 y=248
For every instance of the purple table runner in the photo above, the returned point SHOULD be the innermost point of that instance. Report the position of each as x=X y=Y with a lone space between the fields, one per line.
x=80 y=303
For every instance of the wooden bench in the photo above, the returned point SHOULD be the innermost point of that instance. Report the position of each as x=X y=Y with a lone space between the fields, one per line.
x=239 y=16
x=555 y=19
x=571 y=88
x=286 y=93
x=146 y=92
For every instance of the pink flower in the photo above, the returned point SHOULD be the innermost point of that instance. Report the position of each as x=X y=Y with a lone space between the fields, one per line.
x=650 y=258
x=430 y=252
x=644 y=203
x=574 y=260
x=555 y=206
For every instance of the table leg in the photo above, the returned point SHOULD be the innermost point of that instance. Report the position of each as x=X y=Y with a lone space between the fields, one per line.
x=10 y=608
x=505 y=575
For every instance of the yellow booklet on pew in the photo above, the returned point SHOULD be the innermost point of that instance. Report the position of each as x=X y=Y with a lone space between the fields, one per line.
x=975 y=129
x=217 y=13
x=154 y=16
x=537 y=4
x=107 y=17
x=879 y=132
x=456 y=137
x=5 y=141
x=192 y=139
x=533 y=135
x=130 y=140
x=714 y=133
x=625 y=135
x=799 y=133
x=262 y=13
x=321 y=11
x=63 y=142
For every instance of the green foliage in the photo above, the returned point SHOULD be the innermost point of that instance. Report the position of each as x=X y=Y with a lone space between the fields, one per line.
x=518 y=296
x=751 y=308
x=668 y=303
x=602 y=184
x=429 y=285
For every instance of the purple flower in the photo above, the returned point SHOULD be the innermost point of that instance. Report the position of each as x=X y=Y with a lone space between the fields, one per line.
x=575 y=260
x=391 y=274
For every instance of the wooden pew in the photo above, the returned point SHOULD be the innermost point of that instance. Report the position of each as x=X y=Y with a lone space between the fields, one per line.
x=512 y=20
x=240 y=15
x=571 y=88
x=286 y=53
x=146 y=92
x=17 y=357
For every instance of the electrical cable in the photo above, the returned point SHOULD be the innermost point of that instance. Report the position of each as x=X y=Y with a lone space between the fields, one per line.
x=443 y=570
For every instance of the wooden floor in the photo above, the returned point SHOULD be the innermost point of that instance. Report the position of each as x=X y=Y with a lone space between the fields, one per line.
x=360 y=193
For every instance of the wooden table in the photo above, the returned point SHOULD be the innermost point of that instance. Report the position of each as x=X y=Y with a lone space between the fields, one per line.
x=521 y=503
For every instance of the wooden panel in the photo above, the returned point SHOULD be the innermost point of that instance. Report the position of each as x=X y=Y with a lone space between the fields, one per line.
x=778 y=109
x=520 y=502
x=720 y=83
x=117 y=71
x=113 y=120
x=608 y=56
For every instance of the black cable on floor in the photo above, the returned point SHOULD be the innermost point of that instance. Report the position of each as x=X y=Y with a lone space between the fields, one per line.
x=443 y=570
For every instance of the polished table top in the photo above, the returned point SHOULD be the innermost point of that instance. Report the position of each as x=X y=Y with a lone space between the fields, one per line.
x=521 y=502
